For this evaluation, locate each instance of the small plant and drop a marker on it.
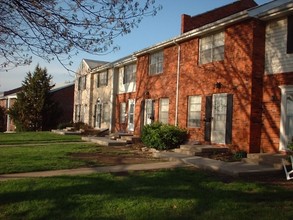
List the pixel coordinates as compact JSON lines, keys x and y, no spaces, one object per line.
{"x":65,"y":125}
{"x":290,"y":146}
{"x":240,"y":154}
{"x":163,"y":137}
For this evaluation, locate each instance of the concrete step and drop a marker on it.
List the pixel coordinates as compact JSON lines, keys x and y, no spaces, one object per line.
{"x":171,"y":156}
{"x":104,"y":141}
{"x":266,"y":159}
{"x":197,"y":149}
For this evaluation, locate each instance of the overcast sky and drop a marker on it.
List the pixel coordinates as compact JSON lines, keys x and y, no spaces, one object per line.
{"x":152,"y":30}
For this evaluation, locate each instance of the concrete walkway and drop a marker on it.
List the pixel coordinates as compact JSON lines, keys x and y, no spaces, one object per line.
{"x":236,"y":169}
{"x":106,"y":169}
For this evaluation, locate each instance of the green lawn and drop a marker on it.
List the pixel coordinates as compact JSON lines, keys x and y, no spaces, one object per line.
{"x":166,"y":194}
{"x":35,"y":137}
{"x":36,"y":151}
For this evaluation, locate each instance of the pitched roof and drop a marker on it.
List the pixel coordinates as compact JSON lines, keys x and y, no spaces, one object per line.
{"x":94,"y":63}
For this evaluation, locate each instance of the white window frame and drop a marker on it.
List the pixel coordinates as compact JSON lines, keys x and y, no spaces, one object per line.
{"x":164,"y":110}
{"x":156,"y":63}
{"x":212,"y":48}
{"x":194,"y":111}
{"x":129,"y":74}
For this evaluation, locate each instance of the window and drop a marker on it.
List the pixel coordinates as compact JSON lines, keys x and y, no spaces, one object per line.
{"x":156,"y":63}
{"x":122,"y":112}
{"x":82,"y":83}
{"x":211,"y":48}
{"x":164,"y":111}
{"x":102,"y":79}
{"x":290,"y":34}
{"x":129,"y":73}
{"x":194,"y":111}
{"x":77,"y":113}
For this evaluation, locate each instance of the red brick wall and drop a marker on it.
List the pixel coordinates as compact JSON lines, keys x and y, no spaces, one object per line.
{"x":65,"y":99}
{"x":189,"y":23}
{"x":237,"y":73}
{"x":270,"y":136}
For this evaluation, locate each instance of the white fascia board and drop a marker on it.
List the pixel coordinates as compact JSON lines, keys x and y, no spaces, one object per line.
{"x":272,"y":9}
{"x":211,"y":27}
{"x":114,"y":64}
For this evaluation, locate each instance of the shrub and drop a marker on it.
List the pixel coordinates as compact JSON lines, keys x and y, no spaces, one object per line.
{"x":290,"y":146}
{"x":163,"y":137}
{"x":64,"y":125}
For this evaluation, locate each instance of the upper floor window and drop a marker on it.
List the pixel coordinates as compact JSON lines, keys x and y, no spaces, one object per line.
{"x":290,"y":34}
{"x":129,"y":73}
{"x":82,"y":83}
{"x":156,"y":63}
{"x":211,"y":48}
{"x":164,"y":111}
{"x":194,"y":111}
{"x":102,"y":79}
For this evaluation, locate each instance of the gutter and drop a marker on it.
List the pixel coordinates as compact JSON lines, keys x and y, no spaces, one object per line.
{"x":177,"y":82}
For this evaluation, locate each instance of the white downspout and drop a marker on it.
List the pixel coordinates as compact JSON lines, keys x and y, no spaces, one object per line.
{"x":177,"y":83}
{"x":8,"y":116}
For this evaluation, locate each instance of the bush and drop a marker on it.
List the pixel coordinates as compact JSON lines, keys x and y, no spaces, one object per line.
{"x":163,"y":137}
{"x":64,"y":125}
{"x":290,"y":146}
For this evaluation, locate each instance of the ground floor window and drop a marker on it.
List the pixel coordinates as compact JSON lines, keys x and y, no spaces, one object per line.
{"x":194,"y":111}
{"x":164,"y":111}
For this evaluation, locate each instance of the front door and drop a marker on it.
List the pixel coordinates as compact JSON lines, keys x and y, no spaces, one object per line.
{"x":219,"y":113}
{"x":131,"y":107}
{"x":289,"y":121}
{"x":148,"y":111}
{"x":98,"y":120}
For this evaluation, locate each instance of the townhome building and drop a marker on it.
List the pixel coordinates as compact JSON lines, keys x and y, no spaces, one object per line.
{"x":227,"y":79}
{"x":83,"y":91}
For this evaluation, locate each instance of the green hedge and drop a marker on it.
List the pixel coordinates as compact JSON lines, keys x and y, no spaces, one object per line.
{"x":163,"y":137}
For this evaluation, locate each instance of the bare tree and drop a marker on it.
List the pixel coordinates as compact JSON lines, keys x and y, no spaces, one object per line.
{"x":58,"y":29}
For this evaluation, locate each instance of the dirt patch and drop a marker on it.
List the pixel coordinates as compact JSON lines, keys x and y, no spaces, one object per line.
{"x":116,"y":155}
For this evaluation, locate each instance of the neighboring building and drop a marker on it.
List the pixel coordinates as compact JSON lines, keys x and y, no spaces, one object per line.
{"x":83,"y":91}
{"x":62,"y":94}
{"x":227,"y":79}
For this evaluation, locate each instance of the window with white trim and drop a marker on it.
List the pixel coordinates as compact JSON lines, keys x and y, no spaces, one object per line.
{"x":194,"y":111}
{"x":212,"y":48}
{"x":164,"y":111}
{"x":102,"y":79}
{"x":156,"y":63}
{"x":123,"y":112}
{"x":129,"y":73}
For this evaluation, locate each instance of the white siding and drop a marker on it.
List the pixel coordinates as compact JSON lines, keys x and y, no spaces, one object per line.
{"x":125,"y":88}
{"x":276,"y":58}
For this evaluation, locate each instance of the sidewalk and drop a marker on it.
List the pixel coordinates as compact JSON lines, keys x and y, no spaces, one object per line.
{"x":236,"y":169}
{"x":106,"y":169}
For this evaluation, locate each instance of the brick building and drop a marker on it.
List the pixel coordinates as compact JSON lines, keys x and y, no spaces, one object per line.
{"x":62,"y":94}
{"x":221,"y":79}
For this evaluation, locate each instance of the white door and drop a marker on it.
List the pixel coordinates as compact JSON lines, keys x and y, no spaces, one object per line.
{"x":219,"y":118}
{"x":148,"y":112}
{"x":98,"y":114}
{"x":131,"y":107}
{"x":286,"y":125}
{"x":289,"y":121}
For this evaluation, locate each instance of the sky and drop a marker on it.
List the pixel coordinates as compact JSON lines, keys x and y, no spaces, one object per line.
{"x":152,"y":30}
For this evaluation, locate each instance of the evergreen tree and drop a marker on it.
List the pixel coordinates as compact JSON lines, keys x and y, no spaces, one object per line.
{"x":34,"y":108}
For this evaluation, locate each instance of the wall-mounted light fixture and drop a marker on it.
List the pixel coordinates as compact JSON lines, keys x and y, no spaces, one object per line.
{"x":218,"y":85}
{"x":147,"y":94}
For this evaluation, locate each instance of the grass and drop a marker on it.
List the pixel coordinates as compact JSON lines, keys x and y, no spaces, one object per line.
{"x":52,"y":156}
{"x":35,"y":138}
{"x":166,"y":194}
{"x":38,"y":151}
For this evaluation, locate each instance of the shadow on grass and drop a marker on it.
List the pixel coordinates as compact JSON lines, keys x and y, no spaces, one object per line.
{"x":170,"y":194}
